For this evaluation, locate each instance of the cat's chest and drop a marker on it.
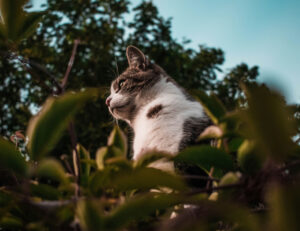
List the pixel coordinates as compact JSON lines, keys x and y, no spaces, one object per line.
{"x":159,"y":125}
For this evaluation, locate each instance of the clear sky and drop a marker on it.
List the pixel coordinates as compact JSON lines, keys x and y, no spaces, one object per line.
{"x":258,"y":32}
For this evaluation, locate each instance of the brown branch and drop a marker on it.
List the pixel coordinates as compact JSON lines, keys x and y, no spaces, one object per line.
{"x":200,"y":177}
{"x":70,"y":64}
{"x":41,"y":68}
{"x":212,"y":189}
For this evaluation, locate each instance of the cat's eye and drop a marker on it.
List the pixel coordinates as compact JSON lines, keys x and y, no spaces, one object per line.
{"x":121,"y":83}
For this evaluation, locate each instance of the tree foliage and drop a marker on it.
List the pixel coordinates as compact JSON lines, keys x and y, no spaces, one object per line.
{"x":84,"y":180}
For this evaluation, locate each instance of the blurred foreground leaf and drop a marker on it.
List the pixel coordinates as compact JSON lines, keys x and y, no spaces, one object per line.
{"x":11,"y":158}
{"x":47,"y":127}
{"x":284,"y":203}
{"x":269,"y":122}
{"x":16,"y":24}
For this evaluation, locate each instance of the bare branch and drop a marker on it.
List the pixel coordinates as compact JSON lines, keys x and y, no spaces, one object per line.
{"x":70,"y":64}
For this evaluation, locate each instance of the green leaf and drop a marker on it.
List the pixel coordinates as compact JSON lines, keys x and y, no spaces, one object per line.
{"x":249,"y":158}
{"x":211,"y":132}
{"x":139,"y":208}
{"x":9,"y":222}
{"x":105,"y":153}
{"x":227,"y":179}
{"x":11,"y":15}
{"x":118,"y":139}
{"x":212,"y":105}
{"x":206,"y":157}
{"x":45,"y":129}
{"x":11,"y":158}
{"x":151,"y":157}
{"x":45,"y":191}
{"x":146,"y":178}
{"x":269,"y":122}
{"x":284,"y":203}
{"x":85,"y":167}
{"x":51,"y":169}
{"x":30,"y":22}
{"x":89,"y":215}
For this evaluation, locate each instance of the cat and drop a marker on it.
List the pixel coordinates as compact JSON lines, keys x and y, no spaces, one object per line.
{"x":163,"y":116}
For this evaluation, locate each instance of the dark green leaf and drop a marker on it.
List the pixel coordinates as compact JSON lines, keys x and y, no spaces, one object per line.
{"x":45,"y":192}
{"x":11,"y":158}
{"x":51,"y":169}
{"x":206,"y":157}
{"x":89,"y":215}
{"x":9,"y":223}
{"x":146,"y":178}
{"x":138,"y":208}
{"x":30,"y":22}
{"x":212,"y":105}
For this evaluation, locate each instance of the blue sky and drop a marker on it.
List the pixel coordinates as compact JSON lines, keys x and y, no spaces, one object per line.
{"x":258,"y":32}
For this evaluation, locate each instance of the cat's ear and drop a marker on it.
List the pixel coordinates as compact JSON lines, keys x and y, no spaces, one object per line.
{"x":136,"y":58}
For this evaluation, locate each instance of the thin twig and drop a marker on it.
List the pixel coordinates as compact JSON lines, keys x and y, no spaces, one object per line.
{"x":70,"y":64}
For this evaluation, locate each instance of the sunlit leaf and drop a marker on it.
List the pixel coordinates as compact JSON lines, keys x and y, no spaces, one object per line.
{"x":228,"y":179}
{"x":249,"y":158}
{"x":11,"y":158}
{"x":45,"y":129}
{"x":105,"y":153}
{"x":85,"y":167}
{"x":206,"y":157}
{"x":151,"y":157}
{"x":211,"y":132}
{"x":118,"y":139}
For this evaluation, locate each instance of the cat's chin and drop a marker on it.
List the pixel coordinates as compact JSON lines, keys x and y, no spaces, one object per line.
{"x":120,"y":112}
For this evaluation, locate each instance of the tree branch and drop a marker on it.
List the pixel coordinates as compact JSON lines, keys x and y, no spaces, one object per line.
{"x":70,"y":64}
{"x":212,"y":189}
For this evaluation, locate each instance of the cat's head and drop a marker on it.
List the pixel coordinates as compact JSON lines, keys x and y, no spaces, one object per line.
{"x":132,"y":88}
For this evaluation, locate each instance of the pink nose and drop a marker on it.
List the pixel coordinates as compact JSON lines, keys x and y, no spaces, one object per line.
{"x":108,"y":101}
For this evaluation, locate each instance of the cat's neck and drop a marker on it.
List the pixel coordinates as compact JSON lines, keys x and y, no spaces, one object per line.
{"x":159,"y":122}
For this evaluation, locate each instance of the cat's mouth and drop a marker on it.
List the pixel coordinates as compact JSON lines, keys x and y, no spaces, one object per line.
{"x":118,"y":107}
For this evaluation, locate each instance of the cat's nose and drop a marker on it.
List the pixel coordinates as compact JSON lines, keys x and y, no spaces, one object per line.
{"x":107,"y":101}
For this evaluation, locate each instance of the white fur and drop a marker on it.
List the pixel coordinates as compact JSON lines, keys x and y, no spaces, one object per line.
{"x":163,"y":133}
